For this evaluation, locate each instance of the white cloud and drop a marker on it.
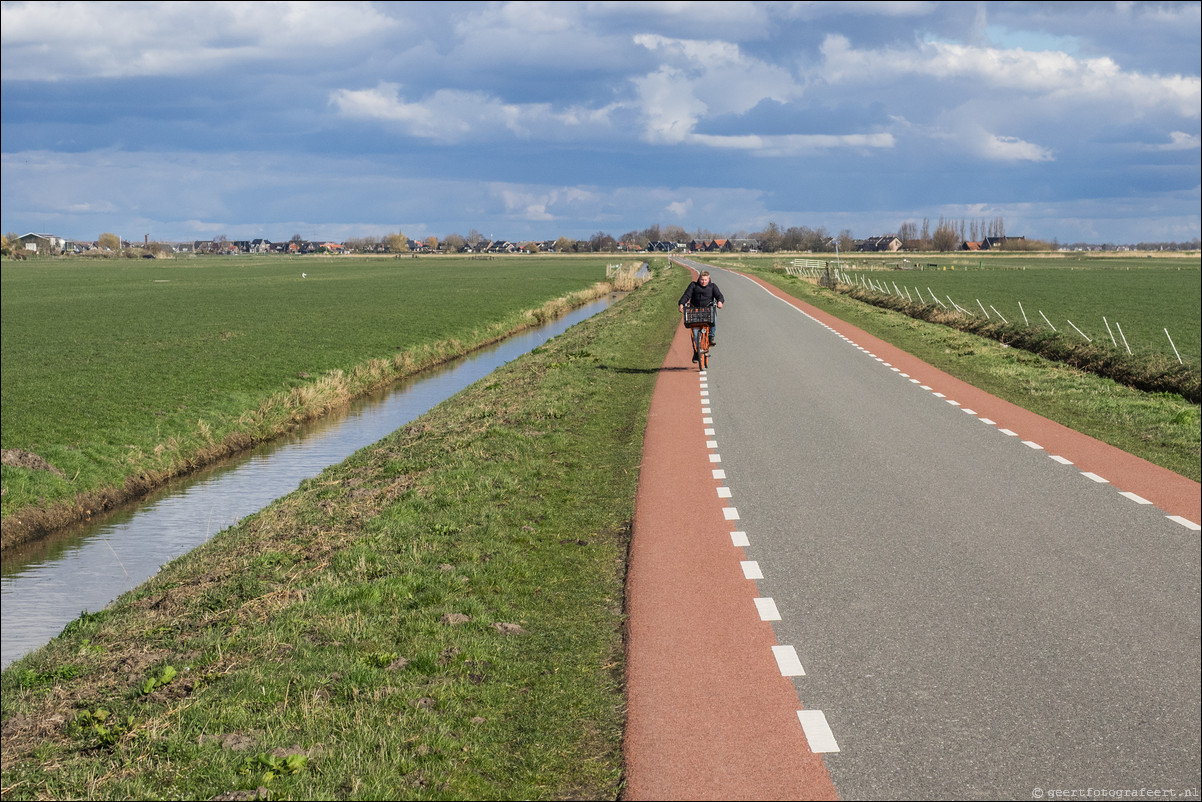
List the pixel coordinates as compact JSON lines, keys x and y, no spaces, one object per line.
{"x":450,"y":115}
{"x":703,"y":79}
{"x":1179,"y":140}
{"x":57,"y":41}
{"x":1011,"y":149}
{"x":679,"y":209}
{"x":1048,"y":74}
{"x":795,"y":144}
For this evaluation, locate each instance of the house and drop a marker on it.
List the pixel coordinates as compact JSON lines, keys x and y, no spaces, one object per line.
{"x":886,"y":244}
{"x":995,"y":243}
{"x":743,"y":245}
{"x":970,"y":246}
{"x":43,"y":244}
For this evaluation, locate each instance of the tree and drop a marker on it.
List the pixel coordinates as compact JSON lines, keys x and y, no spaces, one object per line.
{"x":673,"y":234}
{"x":110,"y":242}
{"x":453,"y":242}
{"x":563,"y":245}
{"x":770,"y":238}
{"x":946,"y":238}
{"x":397,"y":243}
{"x":602,"y":242}
{"x":846,"y":241}
{"x":431,"y":243}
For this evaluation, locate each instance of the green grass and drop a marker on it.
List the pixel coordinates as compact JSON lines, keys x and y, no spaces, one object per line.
{"x":312,"y":645}
{"x":118,"y":371}
{"x":1141,"y":301}
{"x":1162,"y":428}
{"x":1143,"y":295}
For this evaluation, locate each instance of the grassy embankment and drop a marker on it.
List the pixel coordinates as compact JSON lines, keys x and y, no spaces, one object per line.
{"x":1162,"y":428}
{"x":358,"y":638}
{"x":122,"y":374}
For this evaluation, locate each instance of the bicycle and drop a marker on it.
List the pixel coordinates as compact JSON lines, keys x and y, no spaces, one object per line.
{"x":700,"y":319}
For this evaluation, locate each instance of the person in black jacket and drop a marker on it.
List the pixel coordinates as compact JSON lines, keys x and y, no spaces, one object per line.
{"x":700,"y":294}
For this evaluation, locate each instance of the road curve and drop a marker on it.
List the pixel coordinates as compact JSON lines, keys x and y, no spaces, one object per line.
{"x":986,"y":604}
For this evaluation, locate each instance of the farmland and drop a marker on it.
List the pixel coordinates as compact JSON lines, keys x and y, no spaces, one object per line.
{"x":1142,"y":295}
{"x":1138,"y":303}
{"x":125,"y":369}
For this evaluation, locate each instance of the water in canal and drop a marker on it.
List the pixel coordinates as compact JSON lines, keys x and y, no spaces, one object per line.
{"x":45,"y":587}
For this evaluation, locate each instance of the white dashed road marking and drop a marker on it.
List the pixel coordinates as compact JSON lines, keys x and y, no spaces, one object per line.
{"x":818,"y":732}
{"x":788,"y":661}
{"x":767,"y":609}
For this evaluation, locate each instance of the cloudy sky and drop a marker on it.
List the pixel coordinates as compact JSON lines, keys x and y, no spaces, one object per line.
{"x":1077,"y":121}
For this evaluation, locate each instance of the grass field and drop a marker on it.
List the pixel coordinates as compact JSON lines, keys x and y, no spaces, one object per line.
{"x":1138,"y":304}
{"x":1142,"y":295}
{"x":115,"y":370}
{"x":439,"y":617}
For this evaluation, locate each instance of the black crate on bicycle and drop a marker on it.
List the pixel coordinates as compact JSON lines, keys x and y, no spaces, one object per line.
{"x":695,"y":317}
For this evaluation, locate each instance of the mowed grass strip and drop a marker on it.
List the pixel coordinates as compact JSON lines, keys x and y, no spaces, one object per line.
{"x":439,"y":617}
{"x":123,"y":373}
{"x":1162,"y":428}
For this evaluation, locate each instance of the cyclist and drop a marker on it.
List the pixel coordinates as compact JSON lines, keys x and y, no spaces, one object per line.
{"x":702,"y":293}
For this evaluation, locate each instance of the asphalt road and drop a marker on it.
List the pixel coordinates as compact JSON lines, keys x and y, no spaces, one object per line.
{"x":975,"y":618}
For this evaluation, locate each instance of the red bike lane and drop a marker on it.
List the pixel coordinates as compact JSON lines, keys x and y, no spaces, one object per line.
{"x":710,"y":714}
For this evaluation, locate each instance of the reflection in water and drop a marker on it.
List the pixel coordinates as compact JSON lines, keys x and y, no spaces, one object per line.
{"x":47,"y":586}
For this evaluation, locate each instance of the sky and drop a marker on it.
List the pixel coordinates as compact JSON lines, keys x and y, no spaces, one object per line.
{"x":1070,"y":121}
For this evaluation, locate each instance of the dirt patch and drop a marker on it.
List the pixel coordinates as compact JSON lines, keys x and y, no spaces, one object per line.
{"x":16,"y":458}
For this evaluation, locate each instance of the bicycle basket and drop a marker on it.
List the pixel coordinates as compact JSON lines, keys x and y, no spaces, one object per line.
{"x":695,"y":317}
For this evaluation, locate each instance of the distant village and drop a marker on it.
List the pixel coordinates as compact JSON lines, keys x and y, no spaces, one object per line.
{"x":51,"y":244}
{"x":38,"y":244}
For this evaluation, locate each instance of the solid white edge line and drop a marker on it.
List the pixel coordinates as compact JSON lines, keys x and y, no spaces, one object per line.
{"x":817,"y":731}
{"x":739,"y":539}
{"x":788,"y":662}
{"x":766,"y":607}
{"x":1186,"y":522}
{"x":751,"y":569}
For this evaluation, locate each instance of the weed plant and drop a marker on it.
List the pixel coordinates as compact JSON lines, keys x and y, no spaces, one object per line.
{"x":439,"y":617}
